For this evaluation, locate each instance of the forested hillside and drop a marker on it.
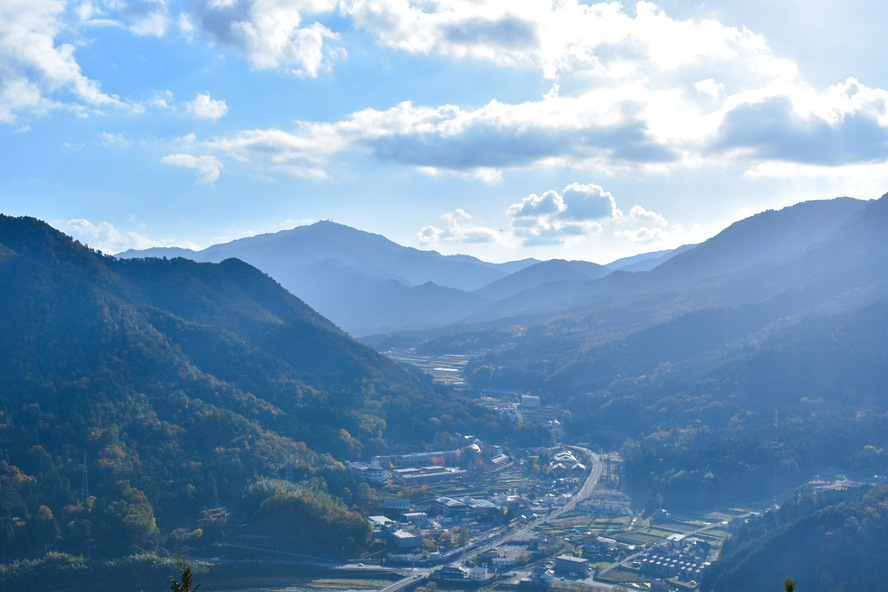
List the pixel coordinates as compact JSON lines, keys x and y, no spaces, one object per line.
{"x":733,"y":371}
{"x":826,"y":540}
{"x":187,"y":386}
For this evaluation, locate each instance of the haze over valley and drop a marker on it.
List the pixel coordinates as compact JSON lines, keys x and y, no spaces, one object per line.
{"x":200,"y":404}
{"x":413,"y":295}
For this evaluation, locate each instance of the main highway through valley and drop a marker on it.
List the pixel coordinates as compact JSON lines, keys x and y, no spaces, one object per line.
{"x":501,"y":535}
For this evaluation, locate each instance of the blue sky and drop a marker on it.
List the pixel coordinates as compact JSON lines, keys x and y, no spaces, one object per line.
{"x":501,"y":129}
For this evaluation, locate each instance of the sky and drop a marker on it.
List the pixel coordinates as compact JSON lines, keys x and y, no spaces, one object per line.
{"x":501,"y":129}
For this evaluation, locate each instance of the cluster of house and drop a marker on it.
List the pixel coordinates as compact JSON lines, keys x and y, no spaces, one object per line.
{"x":406,"y":536}
{"x":423,"y":467}
{"x":607,"y":502}
{"x":602,"y":549}
{"x":564,"y":566}
{"x":681,"y":558}
{"x":564,"y":462}
{"x":491,"y":562}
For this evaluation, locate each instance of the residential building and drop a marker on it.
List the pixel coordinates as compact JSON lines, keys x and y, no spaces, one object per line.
{"x":570,"y":565}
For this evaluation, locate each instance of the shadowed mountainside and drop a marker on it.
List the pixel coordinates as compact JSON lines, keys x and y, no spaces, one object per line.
{"x":186,"y":384}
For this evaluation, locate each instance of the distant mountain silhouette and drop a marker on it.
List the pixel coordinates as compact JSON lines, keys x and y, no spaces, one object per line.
{"x":757,"y":278}
{"x":761,"y":242}
{"x":686,"y":366}
{"x":362,"y":281}
{"x":554,"y":270}
{"x":647,"y":261}
{"x":368,"y":284}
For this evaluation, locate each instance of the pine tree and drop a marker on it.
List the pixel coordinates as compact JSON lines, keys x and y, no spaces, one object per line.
{"x":186,"y":580}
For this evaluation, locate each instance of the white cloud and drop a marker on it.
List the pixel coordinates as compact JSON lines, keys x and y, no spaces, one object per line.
{"x":626,"y":126}
{"x":601,"y":39}
{"x":206,"y":108}
{"x":272,"y":34}
{"x":107,"y":238}
{"x":457,"y":231}
{"x":581,"y":211}
{"x":114,"y":140}
{"x":587,"y":202}
{"x":644,"y":226}
{"x":640,"y":215}
{"x":208,"y":167}
{"x":103,"y":236}
{"x":140,"y":17}
{"x":584,"y":131}
{"x":556,"y":218}
{"x":35,"y":70}
{"x":534,"y":205}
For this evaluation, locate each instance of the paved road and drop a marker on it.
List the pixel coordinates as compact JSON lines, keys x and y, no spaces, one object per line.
{"x":581,"y":494}
{"x":415,"y":579}
{"x":502,"y":534}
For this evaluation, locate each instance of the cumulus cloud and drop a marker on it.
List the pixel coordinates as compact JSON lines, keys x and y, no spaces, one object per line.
{"x":206,"y":108}
{"x":849,"y":124}
{"x":35,"y":70}
{"x":458,"y":231}
{"x":576,"y":215}
{"x":208,"y":168}
{"x":640,"y":215}
{"x":675,"y":83}
{"x":554,"y":218}
{"x":38,"y":73}
{"x":646,"y":89}
{"x":587,"y":202}
{"x":580,"y":211}
{"x":624,"y":126}
{"x":564,"y":37}
{"x":643,"y":226}
{"x":272,"y":34}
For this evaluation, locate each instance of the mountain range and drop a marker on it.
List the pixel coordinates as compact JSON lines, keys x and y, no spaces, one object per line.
{"x":782,"y":314}
{"x":738,"y":367}
{"x":722,"y":372}
{"x":368,"y":284}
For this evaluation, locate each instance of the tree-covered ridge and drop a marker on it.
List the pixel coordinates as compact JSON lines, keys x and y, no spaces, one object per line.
{"x":738,"y":368}
{"x":183,"y":383}
{"x":831,"y":540}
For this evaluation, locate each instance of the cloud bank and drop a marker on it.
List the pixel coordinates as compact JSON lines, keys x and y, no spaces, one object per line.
{"x":571,"y":216}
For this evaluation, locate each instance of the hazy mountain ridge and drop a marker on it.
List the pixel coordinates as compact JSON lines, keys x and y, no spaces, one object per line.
{"x":647,"y":261}
{"x":554,"y":270}
{"x":362,"y":281}
{"x":367,"y":284}
{"x":704,"y":359}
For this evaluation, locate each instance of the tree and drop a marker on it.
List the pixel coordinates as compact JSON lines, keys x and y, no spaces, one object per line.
{"x":789,"y":584}
{"x":186,"y":580}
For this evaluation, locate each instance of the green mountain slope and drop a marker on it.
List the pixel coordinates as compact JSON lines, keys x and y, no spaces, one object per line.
{"x":184,"y":383}
{"x":827,"y":541}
